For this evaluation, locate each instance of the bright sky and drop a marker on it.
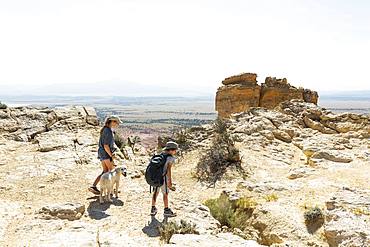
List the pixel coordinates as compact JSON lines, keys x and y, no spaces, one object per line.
{"x":318,"y":44}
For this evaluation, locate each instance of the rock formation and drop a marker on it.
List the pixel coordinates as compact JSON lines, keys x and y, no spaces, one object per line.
{"x":303,"y":156}
{"x":238,"y":94}
{"x":241,"y":92}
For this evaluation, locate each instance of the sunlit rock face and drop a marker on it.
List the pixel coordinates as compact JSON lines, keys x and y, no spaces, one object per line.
{"x":241,"y":92}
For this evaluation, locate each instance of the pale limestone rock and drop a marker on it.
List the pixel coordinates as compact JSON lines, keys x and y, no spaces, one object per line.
{"x":219,"y":240}
{"x":282,"y":136}
{"x":91,"y":117}
{"x":53,"y":140}
{"x":317,"y":126}
{"x":67,"y":211}
{"x":332,"y":155}
{"x":299,"y":172}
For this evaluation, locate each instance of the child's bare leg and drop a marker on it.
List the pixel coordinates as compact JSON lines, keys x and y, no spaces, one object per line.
{"x":154,"y":198}
{"x":165,"y":200}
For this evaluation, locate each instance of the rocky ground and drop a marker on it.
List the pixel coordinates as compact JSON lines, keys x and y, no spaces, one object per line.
{"x":49,"y":160}
{"x":300,"y":156}
{"x":296,"y":157}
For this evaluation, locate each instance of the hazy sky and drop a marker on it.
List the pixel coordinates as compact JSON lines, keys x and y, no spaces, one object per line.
{"x":319,"y":44}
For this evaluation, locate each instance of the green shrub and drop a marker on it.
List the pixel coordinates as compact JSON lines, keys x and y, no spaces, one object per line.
{"x":313,"y":215}
{"x":271,"y":197}
{"x":221,"y":155}
{"x":121,"y":142}
{"x":167,"y":230}
{"x":181,"y":137}
{"x":233,"y":214}
{"x":132,"y":141}
{"x":220,"y":126}
{"x":3,"y":106}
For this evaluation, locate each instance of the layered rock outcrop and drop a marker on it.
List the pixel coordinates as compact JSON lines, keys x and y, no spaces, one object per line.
{"x":298,"y":157}
{"x":238,"y":94}
{"x":241,"y":92}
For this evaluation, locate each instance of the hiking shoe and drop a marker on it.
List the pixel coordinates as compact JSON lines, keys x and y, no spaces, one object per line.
{"x":168,"y":212}
{"x":94,"y":190}
{"x":153,"y":211}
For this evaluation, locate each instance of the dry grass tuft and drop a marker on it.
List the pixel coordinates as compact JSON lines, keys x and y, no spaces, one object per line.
{"x":167,"y":230}
{"x":233,"y":214}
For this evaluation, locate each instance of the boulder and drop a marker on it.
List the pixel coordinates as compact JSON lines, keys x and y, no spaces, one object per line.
{"x":282,"y":136}
{"x":67,"y":211}
{"x":332,"y":155}
{"x":91,"y":116}
{"x":310,"y":96}
{"x":317,"y":126}
{"x":53,"y":140}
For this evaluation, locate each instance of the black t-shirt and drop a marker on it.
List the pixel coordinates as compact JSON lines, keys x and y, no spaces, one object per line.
{"x":106,"y":138}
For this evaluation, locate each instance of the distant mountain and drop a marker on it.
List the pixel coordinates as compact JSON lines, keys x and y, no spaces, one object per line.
{"x":106,"y":88}
{"x":345,"y":95}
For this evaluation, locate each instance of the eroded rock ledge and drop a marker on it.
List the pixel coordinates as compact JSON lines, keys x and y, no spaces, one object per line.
{"x":240,"y":92}
{"x":27,"y":123}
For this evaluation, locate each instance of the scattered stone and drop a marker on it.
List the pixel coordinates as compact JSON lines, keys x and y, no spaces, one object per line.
{"x":299,"y":173}
{"x":332,"y":155}
{"x":67,"y":211}
{"x":282,"y":136}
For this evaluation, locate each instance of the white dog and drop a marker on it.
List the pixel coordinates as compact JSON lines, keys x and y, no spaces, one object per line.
{"x":107,"y":182}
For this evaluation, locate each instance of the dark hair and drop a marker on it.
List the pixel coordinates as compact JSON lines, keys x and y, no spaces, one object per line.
{"x":106,"y":125}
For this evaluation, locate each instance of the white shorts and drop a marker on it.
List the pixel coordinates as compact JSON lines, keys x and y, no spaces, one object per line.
{"x":163,"y":189}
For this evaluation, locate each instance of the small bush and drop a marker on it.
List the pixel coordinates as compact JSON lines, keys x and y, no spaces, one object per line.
{"x":271,"y":197}
{"x":314,"y":218}
{"x":181,"y":137}
{"x":221,"y":155}
{"x":166,"y":231}
{"x":233,"y":214}
{"x":119,"y":139}
{"x":132,"y":141}
{"x":313,"y":215}
{"x":3,"y":106}
{"x":220,"y":126}
{"x":361,"y":211}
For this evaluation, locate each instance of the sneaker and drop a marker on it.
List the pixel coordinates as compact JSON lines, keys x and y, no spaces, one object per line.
{"x":168,"y":212}
{"x":153,"y":211}
{"x":94,"y":190}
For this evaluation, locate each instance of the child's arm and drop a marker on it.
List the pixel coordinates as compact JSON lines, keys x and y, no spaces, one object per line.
{"x":169,"y":175}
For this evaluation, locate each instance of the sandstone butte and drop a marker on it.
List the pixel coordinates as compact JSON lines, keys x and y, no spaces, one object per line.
{"x":241,"y":92}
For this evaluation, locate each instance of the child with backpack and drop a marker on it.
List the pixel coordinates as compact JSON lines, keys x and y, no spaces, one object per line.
{"x":159,"y":176}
